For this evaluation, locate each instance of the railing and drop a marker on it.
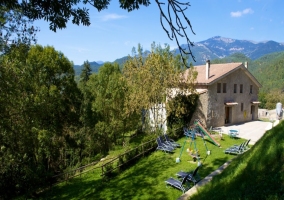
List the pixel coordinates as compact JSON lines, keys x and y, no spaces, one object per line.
{"x":116,"y":164}
{"x":64,"y":177}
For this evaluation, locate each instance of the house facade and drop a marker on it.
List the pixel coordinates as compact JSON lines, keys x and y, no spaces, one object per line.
{"x":228,"y":94}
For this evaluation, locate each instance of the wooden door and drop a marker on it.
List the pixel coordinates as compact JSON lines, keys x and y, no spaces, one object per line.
{"x":227,"y":115}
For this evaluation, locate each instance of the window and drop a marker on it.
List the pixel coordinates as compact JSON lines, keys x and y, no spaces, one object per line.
{"x":242,"y":107}
{"x":235,"y":88}
{"x":250,"y":89}
{"x":241,"y":88}
{"x":224,"y":87}
{"x":218,"y":87}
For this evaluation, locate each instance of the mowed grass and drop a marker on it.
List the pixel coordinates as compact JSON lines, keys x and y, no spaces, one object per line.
{"x":256,"y":174}
{"x":146,"y":178}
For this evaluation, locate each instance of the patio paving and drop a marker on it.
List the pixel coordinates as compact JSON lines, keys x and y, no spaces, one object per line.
{"x":253,"y":130}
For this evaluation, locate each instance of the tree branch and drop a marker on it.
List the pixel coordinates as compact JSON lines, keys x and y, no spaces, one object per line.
{"x":175,"y":25}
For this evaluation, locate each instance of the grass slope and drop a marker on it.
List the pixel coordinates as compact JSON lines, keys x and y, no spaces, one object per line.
{"x":257,"y":174}
{"x":145,"y":180}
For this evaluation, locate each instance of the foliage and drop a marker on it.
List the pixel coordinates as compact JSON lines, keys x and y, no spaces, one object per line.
{"x":86,"y":114}
{"x":39,"y":106}
{"x":236,"y":57}
{"x":180,"y":110}
{"x":58,"y":13}
{"x":271,"y":99}
{"x":146,"y":178}
{"x":269,"y":72}
{"x":108,"y":90}
{"x":85,"y":73}
{"x":154,"y":79}
{"x":15,"y":29}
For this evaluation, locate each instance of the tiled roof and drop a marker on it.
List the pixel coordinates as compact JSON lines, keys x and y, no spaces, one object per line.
{"x":216,"y":71}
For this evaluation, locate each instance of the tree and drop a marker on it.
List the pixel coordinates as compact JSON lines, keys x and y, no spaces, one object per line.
{"x":58,"y":13}
{"x":155,"y":80}
{"x":109,"y":92}
{"x":271,"y":98}
{"x":16,"y":29}
{"x":39,"y":105}
{"x":87,"y":116}
{"x":86,"y":72}
{"x":86,"y":113}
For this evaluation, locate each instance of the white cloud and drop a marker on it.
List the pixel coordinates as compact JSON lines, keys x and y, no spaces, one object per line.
{"x":112,"y":17}
{"x":236,"y":14}
{"x":247,"y":11}
{"x":241,"y":13}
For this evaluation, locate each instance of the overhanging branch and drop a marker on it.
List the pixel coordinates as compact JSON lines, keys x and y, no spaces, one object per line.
{"x":175,"y":25}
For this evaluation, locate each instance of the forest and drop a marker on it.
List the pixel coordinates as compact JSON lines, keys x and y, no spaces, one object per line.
{"x":51,"y":123}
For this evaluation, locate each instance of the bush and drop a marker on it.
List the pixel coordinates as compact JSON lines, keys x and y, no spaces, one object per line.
{"x":180,"y":109}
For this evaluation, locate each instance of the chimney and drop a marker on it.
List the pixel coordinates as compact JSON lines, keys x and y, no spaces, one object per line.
{"x":207,"y":69}
{"x":246,"y":64}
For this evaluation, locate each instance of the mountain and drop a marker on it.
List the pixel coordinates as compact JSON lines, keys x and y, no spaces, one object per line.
{"x":100,"y":62}
{"x":220,"y":47}
{"x":215,"y":48}
{"x":121,"y":61}
{"x":94,"y":66}
{"x":269,"y":71}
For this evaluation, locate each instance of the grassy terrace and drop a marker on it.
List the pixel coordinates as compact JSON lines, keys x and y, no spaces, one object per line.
{"x":145,"y":179}
{"x":256,"y":174}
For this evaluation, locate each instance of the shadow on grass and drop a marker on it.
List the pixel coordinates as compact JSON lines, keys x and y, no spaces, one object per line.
{"x":146,"y":179}
{"x":256,"y":174}
{"x":136,"y":182}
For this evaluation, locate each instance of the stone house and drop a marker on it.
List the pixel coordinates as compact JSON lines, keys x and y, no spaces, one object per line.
{"x":228,"y":94}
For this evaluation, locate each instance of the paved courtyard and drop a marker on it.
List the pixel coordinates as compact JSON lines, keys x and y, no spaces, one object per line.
{"x":253,"y":130}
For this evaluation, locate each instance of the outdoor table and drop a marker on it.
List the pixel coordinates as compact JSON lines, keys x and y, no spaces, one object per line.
{"x":233,"y":133}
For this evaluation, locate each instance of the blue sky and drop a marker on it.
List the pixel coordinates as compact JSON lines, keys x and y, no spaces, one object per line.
{"x":113,"y":32}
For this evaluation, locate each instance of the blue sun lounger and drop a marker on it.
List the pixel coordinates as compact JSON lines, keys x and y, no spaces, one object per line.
{"x":170,"y":141}
{"x":191,"y":176}
{"x":178,"y":184}
{"x":163,"y":147}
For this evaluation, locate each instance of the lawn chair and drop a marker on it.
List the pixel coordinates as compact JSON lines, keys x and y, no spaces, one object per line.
{"x":246,"y":146}
{"x":191,"y":176}
{"x":166,"y":143}
{"x":162,"y":147}
{"x":170,"y":141}
{"x":178,"y":184}
{"x":235,"y":150}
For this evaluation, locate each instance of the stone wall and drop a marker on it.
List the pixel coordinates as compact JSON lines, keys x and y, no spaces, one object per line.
{"x":201,"y":109}
{"x":212,"y":104}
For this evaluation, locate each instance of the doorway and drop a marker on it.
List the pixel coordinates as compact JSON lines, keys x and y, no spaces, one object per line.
{"x":252,"y":112}
{"x":227,"y":115}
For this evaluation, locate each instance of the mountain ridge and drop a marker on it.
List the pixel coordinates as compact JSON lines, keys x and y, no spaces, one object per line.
{"x":216,"y":47}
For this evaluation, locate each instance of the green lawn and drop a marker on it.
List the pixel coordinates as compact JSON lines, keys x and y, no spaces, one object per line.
{"x":145,"y":179}
{"x":256,"y":174}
